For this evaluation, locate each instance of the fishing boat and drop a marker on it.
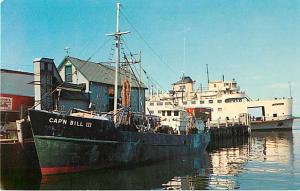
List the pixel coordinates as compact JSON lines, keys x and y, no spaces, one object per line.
{"x":83,"y":140}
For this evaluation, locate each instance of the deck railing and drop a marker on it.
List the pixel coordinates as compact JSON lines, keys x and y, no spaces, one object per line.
{"x":244,"y":119}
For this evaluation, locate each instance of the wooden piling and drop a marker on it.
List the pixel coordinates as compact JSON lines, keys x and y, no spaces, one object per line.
{"x":226,"y":136}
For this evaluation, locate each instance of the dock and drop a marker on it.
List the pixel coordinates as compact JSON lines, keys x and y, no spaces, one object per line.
{"x":227,"y":132}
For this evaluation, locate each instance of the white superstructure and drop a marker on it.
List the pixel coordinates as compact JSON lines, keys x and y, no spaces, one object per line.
{"x":226,"y":101}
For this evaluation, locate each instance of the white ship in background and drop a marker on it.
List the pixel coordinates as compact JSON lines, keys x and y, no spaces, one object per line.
{"x":225,"y":101}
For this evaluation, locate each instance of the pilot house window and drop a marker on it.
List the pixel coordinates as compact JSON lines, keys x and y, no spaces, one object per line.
{"x":176,"y":113}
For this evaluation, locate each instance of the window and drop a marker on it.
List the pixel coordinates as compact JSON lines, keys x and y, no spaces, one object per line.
{"x":274,"y":114}
{"x":68,"y":73}
{"x":201,"y":101}
{"x":211,"y":101}
{"x":193,"y":102}
{"x":176,"y":113}
{"x":163,"y":113}
{"x":159,"y":112}
{"x":274,"y":104}
{"x":168,"y":103}
{"x":184,"y":103}
{"x":168,"y":113}
{"x":219,"y":101}
{"x":151,"y":112}
{"x":182,"y":87}
{"x":160,"y":103}
{"x":219,"y":109}
{"x":151,"y":104}
{"x":215,"y":85}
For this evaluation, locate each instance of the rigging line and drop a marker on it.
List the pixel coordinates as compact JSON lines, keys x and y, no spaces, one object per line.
{"x":153,"y":81}
{"x":132,"y":56}
{"x":137,"y":81}
{"x":154,"y":52}
{"x":102,"y":45}
{"x":89,"y":42}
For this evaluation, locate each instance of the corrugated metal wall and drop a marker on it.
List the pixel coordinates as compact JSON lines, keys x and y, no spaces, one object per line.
{"x":99,"y":96}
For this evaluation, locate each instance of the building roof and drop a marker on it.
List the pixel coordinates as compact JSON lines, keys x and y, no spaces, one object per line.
{"x":16,"y":72}
{"x":184,"y":80}
{"x":97,"y":72}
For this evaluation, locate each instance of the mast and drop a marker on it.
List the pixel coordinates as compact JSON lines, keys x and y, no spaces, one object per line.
{"x":207,"y":73}
{"x":117,"y":36}
{"x":290,"y":86}
{"x":140,"y":79}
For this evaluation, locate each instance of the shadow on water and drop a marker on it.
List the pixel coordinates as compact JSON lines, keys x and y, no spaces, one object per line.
{"x":19,"y":166}
{"x":171,"y":174}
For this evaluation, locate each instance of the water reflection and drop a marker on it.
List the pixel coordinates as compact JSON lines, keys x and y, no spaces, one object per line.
{"x":268,"y":157}
{"x":168,"y":175}
{"x":272,"y":146}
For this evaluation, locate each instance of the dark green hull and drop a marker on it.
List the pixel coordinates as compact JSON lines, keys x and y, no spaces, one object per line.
{"x":63,"y":155}
{"x":64,"y":148}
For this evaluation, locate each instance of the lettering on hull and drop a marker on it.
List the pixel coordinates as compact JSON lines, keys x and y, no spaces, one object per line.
{"x":69,"y":122}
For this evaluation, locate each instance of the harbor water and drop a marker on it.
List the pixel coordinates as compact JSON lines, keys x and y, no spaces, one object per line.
{"x":267,"y":160}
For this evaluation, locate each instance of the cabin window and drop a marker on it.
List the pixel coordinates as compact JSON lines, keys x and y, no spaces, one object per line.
{"x":219,"y":109}
{"x":168,"y":103}
{"x":182,"y":87}
{"x":275,"y":104}
{"x":176,"y":113}
{"x":68,"y":73}
{"x":210,"y":101}
{"x":219,"y":101}
{"x":151,"y":104}
{"x":193,"y":102}
{"x":201,"y":101}
{"x":163,"y":113}
{"x":160,"y":103}
{"x":168,"y":113}
{"x":184,"y":103}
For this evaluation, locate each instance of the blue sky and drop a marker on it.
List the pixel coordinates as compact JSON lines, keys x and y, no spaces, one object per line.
{"x":256,"y":42}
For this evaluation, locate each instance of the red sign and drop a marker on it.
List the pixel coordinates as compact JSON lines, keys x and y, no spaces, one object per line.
{"x":6,"y":103}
